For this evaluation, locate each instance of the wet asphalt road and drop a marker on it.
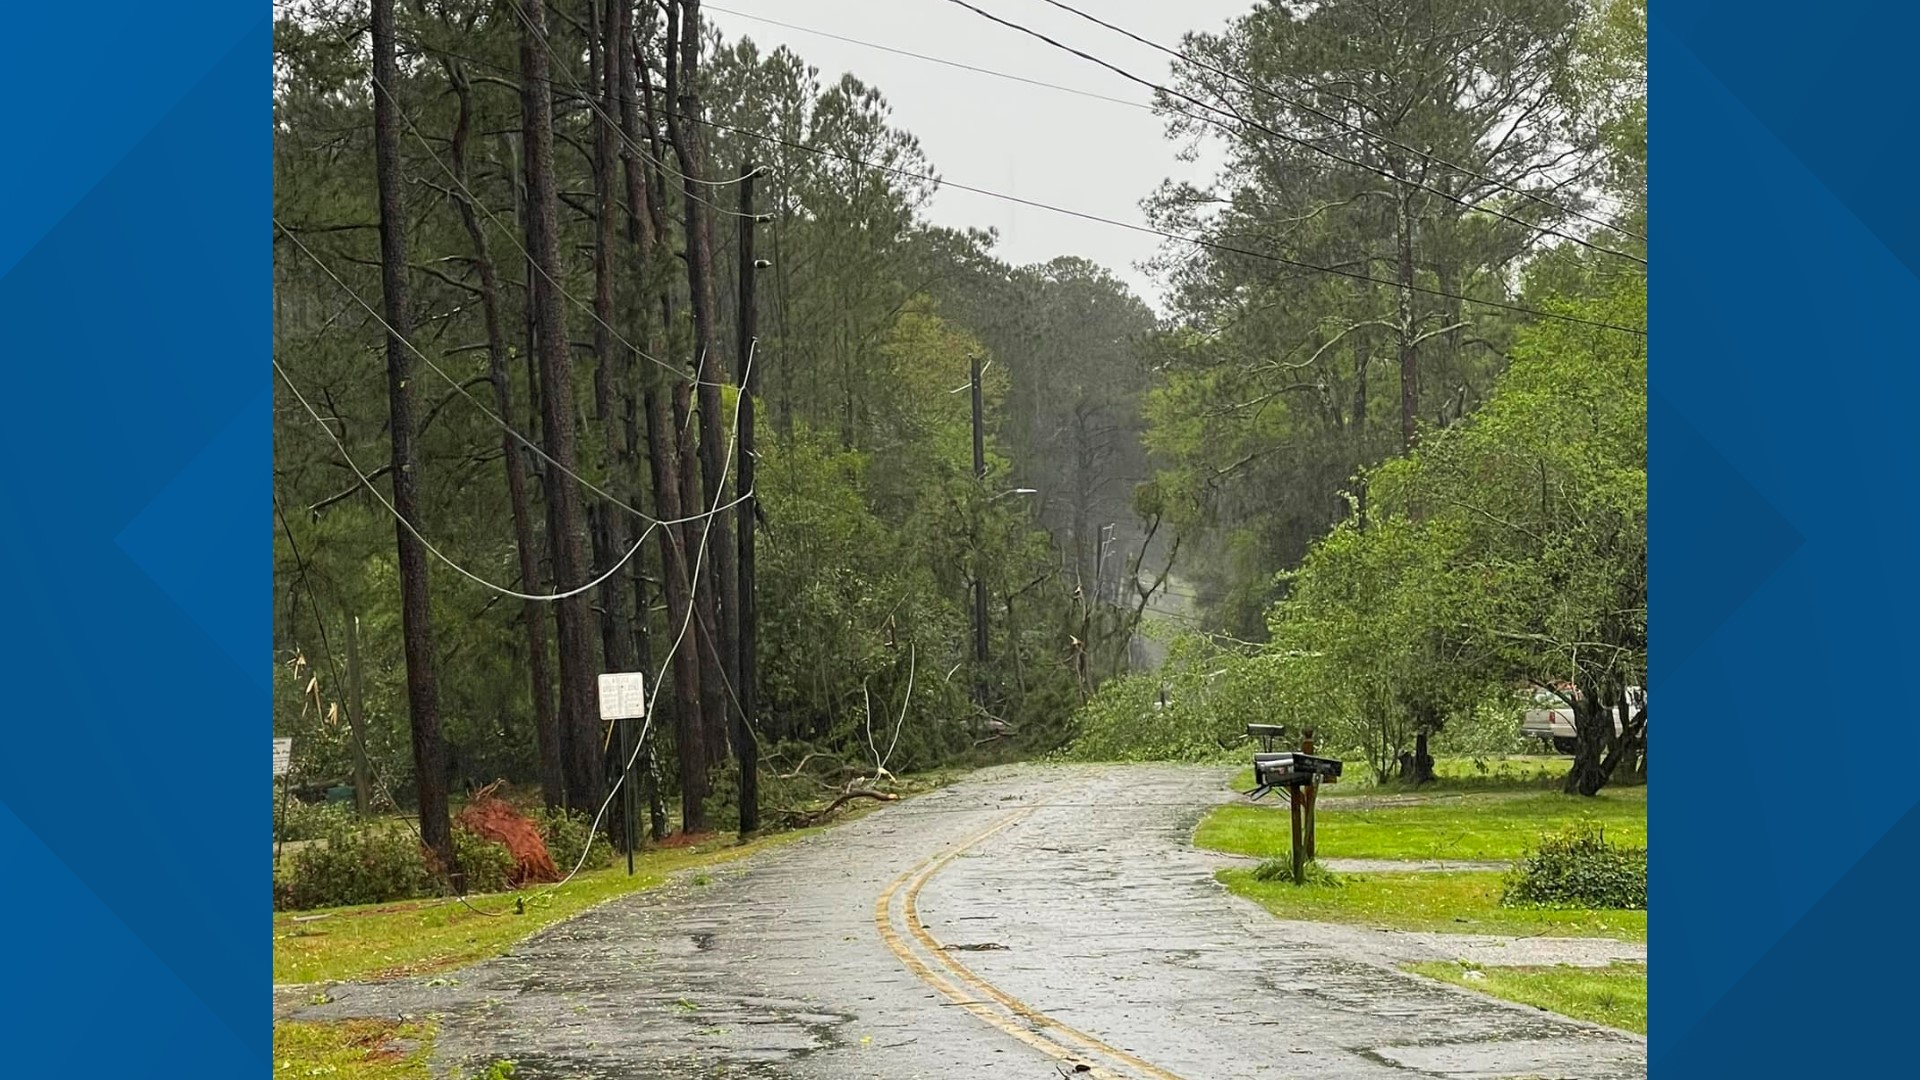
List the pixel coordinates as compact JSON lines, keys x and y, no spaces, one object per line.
{"x":1027,"y":923}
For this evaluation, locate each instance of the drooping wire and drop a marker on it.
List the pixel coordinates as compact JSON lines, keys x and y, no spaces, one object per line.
{"x":1143,"y":106}
{"x":1254,"y":87}
{"x":1305,"y":143}
{"x":462,"y":390}
{"x":1196,"y":241}
{"x":418,"y":535}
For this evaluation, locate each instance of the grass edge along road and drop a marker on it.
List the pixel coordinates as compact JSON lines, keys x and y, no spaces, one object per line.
{"x":352,"y":1050}
{"x":1615,"y":996}
{"x":417,"y":937}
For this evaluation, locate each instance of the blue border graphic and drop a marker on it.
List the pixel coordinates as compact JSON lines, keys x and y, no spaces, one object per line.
{"x":1783,"y":442}
{"x":135,"y":296}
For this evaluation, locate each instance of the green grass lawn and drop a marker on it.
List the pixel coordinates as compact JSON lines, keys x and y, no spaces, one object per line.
{"x":419,"y":936}
{"x":1465,"y":827}
{"x":1615,"y":996}
{"x":1460,"y":903}
{"x":354,"y":1050}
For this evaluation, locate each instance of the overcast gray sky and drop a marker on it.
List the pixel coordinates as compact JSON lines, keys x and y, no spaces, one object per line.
{"x":1023,"y":140}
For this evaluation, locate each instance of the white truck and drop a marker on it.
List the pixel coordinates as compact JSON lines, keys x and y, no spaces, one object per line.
{"x":1551,"y":720}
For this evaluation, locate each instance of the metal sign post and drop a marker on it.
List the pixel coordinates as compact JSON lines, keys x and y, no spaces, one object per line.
{"x":623,"y":699}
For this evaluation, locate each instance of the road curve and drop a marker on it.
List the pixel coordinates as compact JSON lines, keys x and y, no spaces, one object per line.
{"x":1029,"y":922}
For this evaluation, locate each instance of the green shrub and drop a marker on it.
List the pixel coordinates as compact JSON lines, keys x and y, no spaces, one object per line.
{"x":1576,"y":867}
{"x":1282,"y":870}
{"x":307,"y":821}
{"x":355,"y":864}
{"x":485,"y":865}
{"x":565,"y":832}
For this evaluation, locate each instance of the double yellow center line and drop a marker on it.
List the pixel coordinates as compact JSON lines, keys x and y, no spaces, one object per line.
{"x":1090,"y":1056}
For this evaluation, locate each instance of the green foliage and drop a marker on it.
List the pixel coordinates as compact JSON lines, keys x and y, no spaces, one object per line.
{"x":1578,"y":867}
{"x":297,"y":820}
{"x":1210,"y":695}
{"x":355,"y":864}
{"x":1282,"y":870}
{"x":565,"y":832}
{"x":485,"y":865}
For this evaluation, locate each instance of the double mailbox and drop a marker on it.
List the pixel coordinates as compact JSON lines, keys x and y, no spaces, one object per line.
{"x":1291,"y":769}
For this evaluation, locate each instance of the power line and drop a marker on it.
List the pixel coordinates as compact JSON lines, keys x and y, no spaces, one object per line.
{"x":934,"y":59}
{"x":706,"y":535}
{"x":1307,"y":144}
{"x":659,"y":683}
{"x":1330,"y":118}
{"x":428,"y":544}
{"x":1201,"y":242}
{"x":461,"y":388}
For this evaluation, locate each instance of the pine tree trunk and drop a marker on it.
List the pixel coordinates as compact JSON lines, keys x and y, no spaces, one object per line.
{"x":416,"y":621}
{"x":549,"y":738}
{"x":613,"y":532}
{"x":513,"y":453}
{"x":579,"y":717}
{"x":649,"y":228}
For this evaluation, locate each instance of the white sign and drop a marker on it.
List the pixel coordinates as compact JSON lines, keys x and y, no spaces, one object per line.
{"x":623,"y":695}
{"x":282,"y":756}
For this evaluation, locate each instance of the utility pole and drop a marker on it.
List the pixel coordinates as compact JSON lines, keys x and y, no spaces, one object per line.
{"x":979,"y":579}
{"x":744,"y":746}
{"x":1100,"y":564}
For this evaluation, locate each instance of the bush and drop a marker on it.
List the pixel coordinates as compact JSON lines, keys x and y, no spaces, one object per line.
{"x":356,"y":864}
{"x":1576,"y":867}
{"x":1282,"y":870}
{"x":485,"y":865}
{"x":307,"y":821}
{"x":565,"y":832}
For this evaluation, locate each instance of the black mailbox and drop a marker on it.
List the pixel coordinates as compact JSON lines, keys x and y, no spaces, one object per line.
{"x":1287,"y":769}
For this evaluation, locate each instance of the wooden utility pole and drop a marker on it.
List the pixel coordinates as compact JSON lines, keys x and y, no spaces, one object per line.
{"x":749,"y":625}
{"x":689,"y":143}
{"x":416,"y":622}
{"x":646,"y":197}
{"x":1409,"y":348}
{"x":979,"y":578}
